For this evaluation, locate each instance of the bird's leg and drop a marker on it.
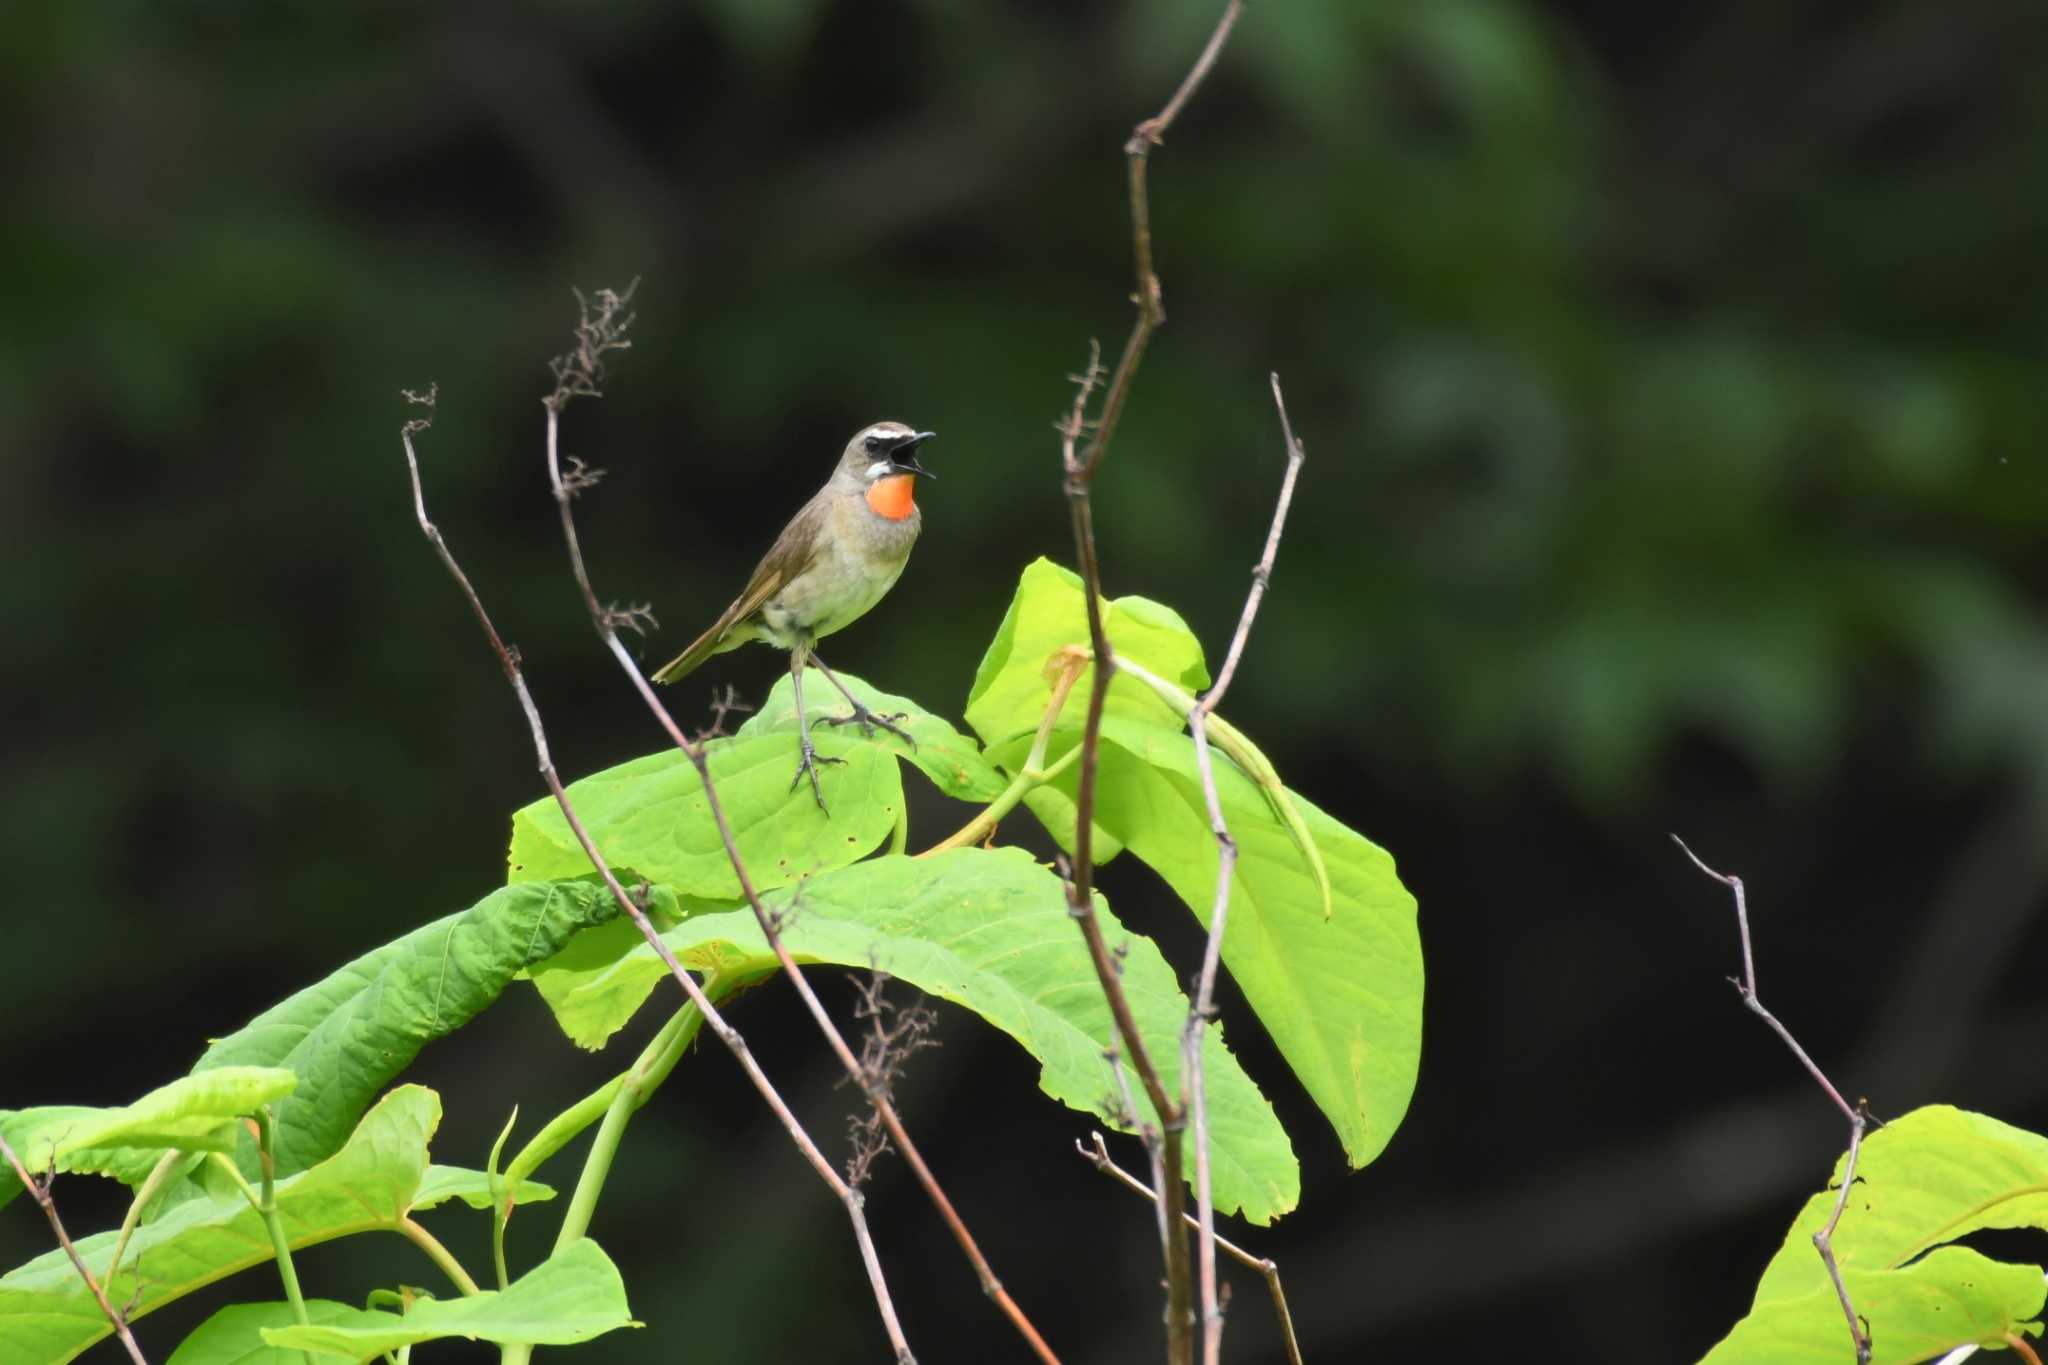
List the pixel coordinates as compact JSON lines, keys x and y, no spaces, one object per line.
{"x":867,"y":720}
{"x":807,"y":763}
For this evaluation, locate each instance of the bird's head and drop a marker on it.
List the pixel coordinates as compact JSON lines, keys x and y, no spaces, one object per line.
{"x":882,"y":451}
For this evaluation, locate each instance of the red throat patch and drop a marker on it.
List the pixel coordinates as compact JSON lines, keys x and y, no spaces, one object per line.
{"x":890,"y":497}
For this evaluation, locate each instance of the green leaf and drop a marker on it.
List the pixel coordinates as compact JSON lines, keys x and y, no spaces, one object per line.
{"x":47,"y":1315}
{"x":987,"y":929}
{"x":651,"y":815}
{"x":574,"y":1295}
{"x":1342,"y":996}
{"x":1952,"y":1297}
{"x":473,"y":1188}
{"x":1049,"y":613}
{"x":952,"y":760}
{"x":350,"y":1034}
{"x":233,"y":1336}
{"x":197,"y":1113}
{"x":1925,"y":1178}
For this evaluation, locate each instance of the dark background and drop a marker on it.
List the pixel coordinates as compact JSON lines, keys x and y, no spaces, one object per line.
{"x":1672,"y":378}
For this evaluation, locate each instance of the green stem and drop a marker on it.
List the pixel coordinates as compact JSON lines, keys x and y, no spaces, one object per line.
{"x":438,"y":1254}
{"x":633,"y":1089}
{"x":1034,"y":773}
{"x":501,"y":1199}
{"x":1022,"y":785}
{"x":902,"y":835}
{"x":157,"y":1175}
{"x":616,"y":1101}
{"x":266,"y":1135}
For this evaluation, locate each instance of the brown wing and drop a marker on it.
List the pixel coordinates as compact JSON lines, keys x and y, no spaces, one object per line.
{"x":793,"y":552}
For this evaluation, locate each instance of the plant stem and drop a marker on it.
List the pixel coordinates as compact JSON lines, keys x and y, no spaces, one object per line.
{"x":407,"y":1228}
{"x":157,"y":1175}
{"x":635,"y":1088}
{"x":1034,"y":773}
{"x":267,"y":1206}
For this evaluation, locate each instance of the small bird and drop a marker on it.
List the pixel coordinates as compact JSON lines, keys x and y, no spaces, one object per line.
{"x":837,"y":557}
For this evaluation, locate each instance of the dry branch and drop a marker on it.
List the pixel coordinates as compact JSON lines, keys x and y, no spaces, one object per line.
{"x":1219,"y":910}
{"x":39,"y":1189}
{"x":1097,"y":1155}
{"x":508,"y":661}
{"x":1080,"y":470}
{"x":579,"y":373}
{"x":1857,"y":1114}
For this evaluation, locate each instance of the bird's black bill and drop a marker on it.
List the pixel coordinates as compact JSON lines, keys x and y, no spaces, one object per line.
{"x":904,"y":456}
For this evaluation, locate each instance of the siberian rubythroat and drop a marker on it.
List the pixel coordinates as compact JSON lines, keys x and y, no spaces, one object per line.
{"x":839,"y":555}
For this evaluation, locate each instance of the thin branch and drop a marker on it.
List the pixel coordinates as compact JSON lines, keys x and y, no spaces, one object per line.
{"x":606,"y":620}
{"x":1080,"y":470}
{"x":1204,"y":1006}
{"x":1148,"y":134}
{"x":39,"y":1189}
{"x":1098,"y":1156}
{"x":1857,"y":1114}
{"x":508,"y":662}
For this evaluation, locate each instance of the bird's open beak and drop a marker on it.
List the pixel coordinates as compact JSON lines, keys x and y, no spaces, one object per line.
{"x":904,"y":456}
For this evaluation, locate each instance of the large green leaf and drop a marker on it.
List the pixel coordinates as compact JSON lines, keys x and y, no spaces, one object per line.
{"x":1342,"y":995}
{"x":952,"y":760}
{"x":1925,"y":1178}
{"x":987,"y":929}
{"x":233,"y":1336}
{"x":349,"y":1035}
{"x":1952,"y":1297}
{"x":47,"y":1315}
{"x":197,"y":1113}
{"x":650,"y":815}
{"x":1048,"y":613}
{"x":574,"y":1295}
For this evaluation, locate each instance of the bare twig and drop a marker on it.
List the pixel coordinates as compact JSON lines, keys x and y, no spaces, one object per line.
{"x":1151,"y":305}
{"x":508,"y":661}
{"x":39,"y":1189}
{"x":1080,"y":470}
{"x":1857,"y":1114}
{"x":1097,"y":1155}
{"x":607,"y":620}
{"x":1219,"y":910}
{"x":895,"y":1035}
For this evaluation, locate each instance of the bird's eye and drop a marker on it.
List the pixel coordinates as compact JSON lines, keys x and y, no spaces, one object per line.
{"x":874,"y":444}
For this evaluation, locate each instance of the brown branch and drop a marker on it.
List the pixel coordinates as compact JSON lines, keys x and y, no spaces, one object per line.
{"x":39,"y":1189}
{"x":1098,"y":1157}
{"x":1080,"y":471}
{"x":607,"y":620}
{"x":1151,"y":304}
{"x":1204,"y":1006}
{"x":1857,"y":1114}
{"x":508,"y":661}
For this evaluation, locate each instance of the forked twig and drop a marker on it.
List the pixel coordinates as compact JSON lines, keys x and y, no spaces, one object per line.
{"x":1219,"y":910}
{"x":39,"y":1189}
{"x":607,"y":620}
{"x":1080,"y":469}
{"x":1857,"y":1114}
{"x":508,"y":661}
{"x":1097,"y":1155}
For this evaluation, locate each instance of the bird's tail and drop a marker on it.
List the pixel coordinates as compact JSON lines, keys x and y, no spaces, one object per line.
{"x":701,"y":648}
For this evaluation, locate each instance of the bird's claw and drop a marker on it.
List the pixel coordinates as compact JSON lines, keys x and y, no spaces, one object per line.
{"x":807,"y":766}
{"x":870,"y":721}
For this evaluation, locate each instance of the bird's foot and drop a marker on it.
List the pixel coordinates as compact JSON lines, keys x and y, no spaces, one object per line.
{"x":807,"y":766}
{"x":870,"y":721}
